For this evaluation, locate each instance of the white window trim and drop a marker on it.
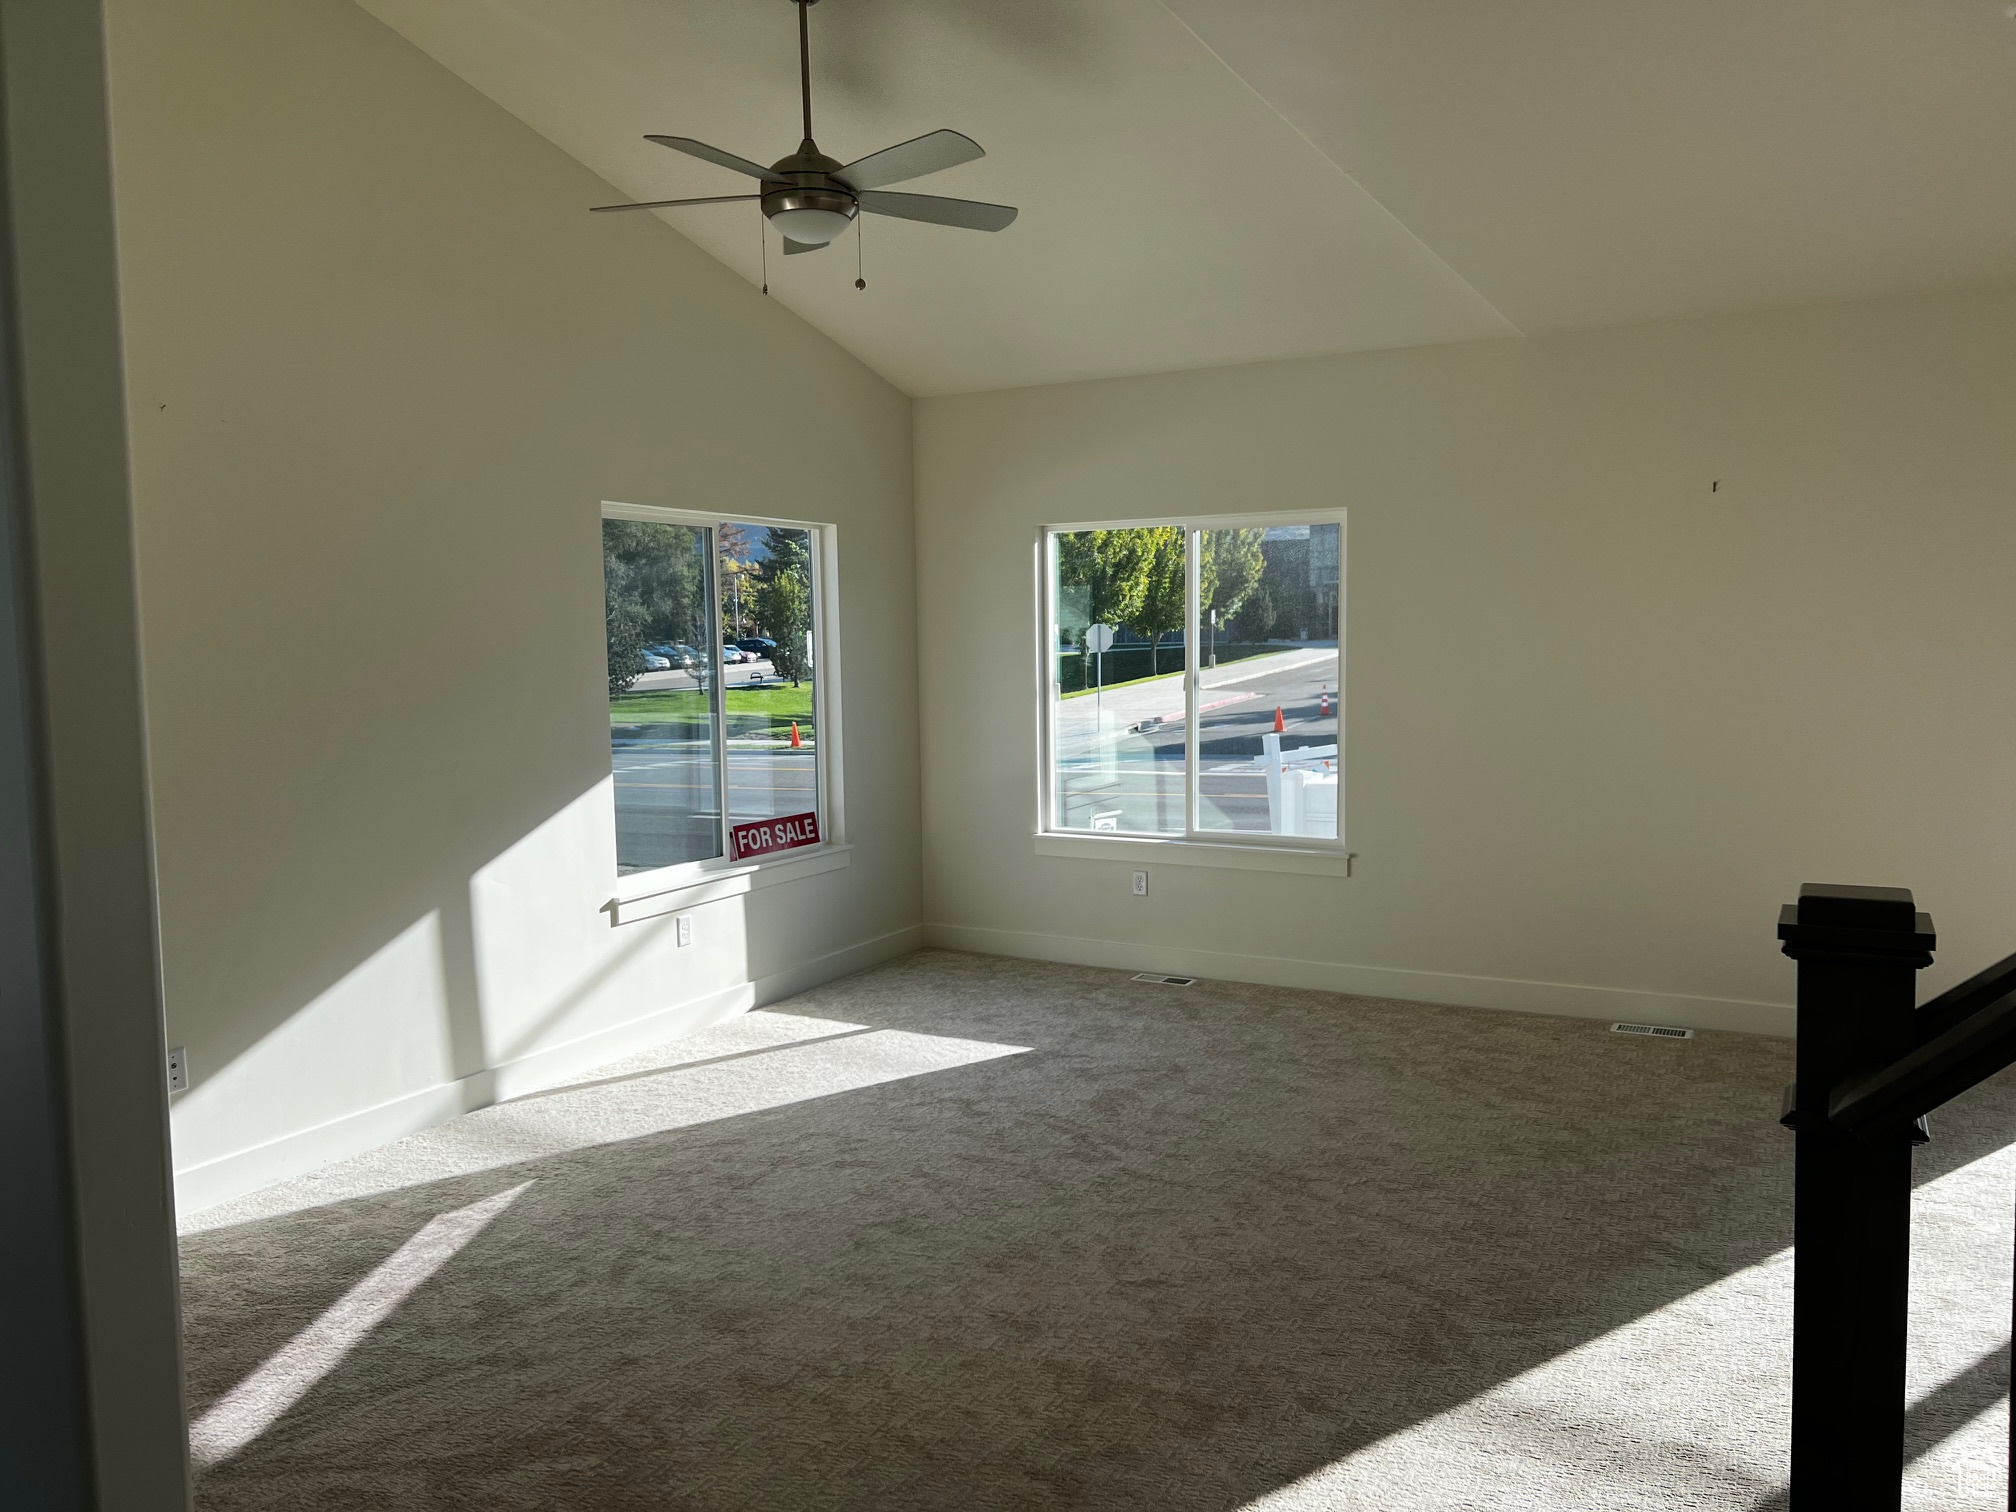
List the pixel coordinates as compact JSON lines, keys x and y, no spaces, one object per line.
{"x":1195,"y":847}
{"x":641,"y":894}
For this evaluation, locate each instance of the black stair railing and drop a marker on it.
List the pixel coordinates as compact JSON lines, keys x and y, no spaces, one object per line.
{"x":1875,"y":1066}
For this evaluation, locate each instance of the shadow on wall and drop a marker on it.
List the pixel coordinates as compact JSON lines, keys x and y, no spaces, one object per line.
{"x":1208,"y":1248}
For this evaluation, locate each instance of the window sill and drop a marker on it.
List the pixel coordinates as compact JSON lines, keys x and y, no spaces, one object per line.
{"x":1172,"y":852}
{"x":649,"y":894}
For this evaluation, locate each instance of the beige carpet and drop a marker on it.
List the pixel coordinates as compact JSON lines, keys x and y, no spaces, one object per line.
{"x":973,"y":1233}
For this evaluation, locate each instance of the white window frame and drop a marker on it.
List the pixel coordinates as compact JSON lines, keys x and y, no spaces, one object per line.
{"x":1195,"y":846}
{"x":645,"y":893}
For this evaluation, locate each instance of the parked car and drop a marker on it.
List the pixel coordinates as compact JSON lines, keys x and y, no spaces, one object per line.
{"x":653,"y":662}
{"x":732,"y":654}
{"x":757,"y":647}
{"x":677,"y":654}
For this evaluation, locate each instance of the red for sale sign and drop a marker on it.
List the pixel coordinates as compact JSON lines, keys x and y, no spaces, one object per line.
{"x":763,"y":836}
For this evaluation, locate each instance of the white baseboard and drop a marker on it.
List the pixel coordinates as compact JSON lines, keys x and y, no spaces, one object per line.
{"x":243,"y":1171}
{"x":1509,"y":993}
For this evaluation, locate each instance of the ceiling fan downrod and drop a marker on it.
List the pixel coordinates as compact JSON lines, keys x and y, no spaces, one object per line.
{"x":810,"y":207}
{"x":805,"y":69}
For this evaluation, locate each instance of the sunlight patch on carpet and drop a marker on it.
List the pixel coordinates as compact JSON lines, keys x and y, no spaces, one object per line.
{"x":638,"y":1104}
{"x":257,"y":1402}
{"x":1697,"y":1394}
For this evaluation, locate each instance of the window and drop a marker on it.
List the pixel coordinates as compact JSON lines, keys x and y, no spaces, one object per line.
{"x":714,"y":639}
{"x":1193,"y":673}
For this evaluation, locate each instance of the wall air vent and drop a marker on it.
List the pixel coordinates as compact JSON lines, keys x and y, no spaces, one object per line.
{"x":1657,"y":1031}
{"x":1164,"y":981}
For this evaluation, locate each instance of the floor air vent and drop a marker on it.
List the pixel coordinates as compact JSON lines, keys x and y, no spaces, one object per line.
{"x":1164,"y":981}
{"x":1657,"y":1031}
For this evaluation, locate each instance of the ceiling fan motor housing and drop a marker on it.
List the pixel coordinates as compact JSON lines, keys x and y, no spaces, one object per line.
{"x":806,"y":202}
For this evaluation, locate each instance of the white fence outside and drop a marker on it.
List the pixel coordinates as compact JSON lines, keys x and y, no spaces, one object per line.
{"x":1301,"y":797}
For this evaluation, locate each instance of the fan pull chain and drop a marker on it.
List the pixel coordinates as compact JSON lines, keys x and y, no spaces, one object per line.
{"x":860,"y":282}
{"x":763,"y":251}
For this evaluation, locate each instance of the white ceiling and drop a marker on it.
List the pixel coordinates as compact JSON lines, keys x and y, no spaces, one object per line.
{"x":1589,"y":162}
{"x":1217,"y":181}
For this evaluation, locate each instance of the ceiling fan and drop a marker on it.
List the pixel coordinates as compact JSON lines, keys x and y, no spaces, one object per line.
{"x":810,"y":198}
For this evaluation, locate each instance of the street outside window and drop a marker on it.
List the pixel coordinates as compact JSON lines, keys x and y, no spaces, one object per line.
{"x":1195,"y":686}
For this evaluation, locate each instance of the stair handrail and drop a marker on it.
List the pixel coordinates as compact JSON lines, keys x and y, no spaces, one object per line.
{"x":1937,"y":1071}
{"x":1982,"y":990}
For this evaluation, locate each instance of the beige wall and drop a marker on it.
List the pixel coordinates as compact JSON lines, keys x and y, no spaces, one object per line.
{"x":1603,"y":715}
{"x":383,"y":369}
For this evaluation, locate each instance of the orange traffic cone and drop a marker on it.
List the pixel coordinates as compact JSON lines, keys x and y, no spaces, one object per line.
{"x":796,"y":743}
{"x":1323,"y":707}
{"x":1280,"y":724}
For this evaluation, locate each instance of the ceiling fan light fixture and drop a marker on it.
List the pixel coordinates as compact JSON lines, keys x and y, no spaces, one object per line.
{"x":809,"y":213}
{"x":810,"y":226}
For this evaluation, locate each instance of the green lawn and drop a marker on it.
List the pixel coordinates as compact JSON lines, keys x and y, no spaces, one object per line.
{"x":672,"y":706}
{"x":786,"y":702}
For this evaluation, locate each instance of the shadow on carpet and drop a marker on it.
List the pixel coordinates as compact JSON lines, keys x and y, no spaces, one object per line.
{"x":1203,"y":1247}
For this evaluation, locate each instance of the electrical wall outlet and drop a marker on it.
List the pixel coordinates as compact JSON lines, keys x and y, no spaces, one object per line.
{"x":178,"y":1070}
{"x":1140,"y":884}
{"x":684,"y":925}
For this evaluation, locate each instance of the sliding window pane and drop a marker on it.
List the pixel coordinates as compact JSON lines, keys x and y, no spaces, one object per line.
{"x":662,"y":730}
{"x":769,"y":620}
{"x":1116,"y":689}
{"x":1268,"y":665}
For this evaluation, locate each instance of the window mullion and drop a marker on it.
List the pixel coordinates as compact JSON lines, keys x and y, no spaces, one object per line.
{"x":720,"y":680}
{"x":1192,"y":588}
{"x":1051,"y":685}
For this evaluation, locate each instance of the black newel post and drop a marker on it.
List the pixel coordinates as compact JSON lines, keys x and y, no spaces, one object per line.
{"x":1858,"y":949}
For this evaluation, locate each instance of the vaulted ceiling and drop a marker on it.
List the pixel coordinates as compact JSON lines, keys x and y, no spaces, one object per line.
{"x":1218,"y":181}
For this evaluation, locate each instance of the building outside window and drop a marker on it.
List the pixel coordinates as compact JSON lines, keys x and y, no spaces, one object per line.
{"x":714,"y":642}
{"x":1193,"y":673}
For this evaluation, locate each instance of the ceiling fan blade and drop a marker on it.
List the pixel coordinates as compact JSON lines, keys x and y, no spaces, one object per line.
{"x":912,"y":159}
{"x":713,"y":199}
{"x":715,"y":155}
{"x":791,"y":248}
{"x":973,"y":215}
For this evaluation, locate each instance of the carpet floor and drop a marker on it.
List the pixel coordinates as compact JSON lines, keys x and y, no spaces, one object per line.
{"x":972,"y":1233}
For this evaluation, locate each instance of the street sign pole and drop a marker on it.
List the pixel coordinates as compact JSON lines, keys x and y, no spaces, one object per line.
{"x":1099,"y":637}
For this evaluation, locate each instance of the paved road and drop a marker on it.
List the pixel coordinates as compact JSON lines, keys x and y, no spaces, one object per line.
{"x":667,"y":805}
{"x":1127,"y":758}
